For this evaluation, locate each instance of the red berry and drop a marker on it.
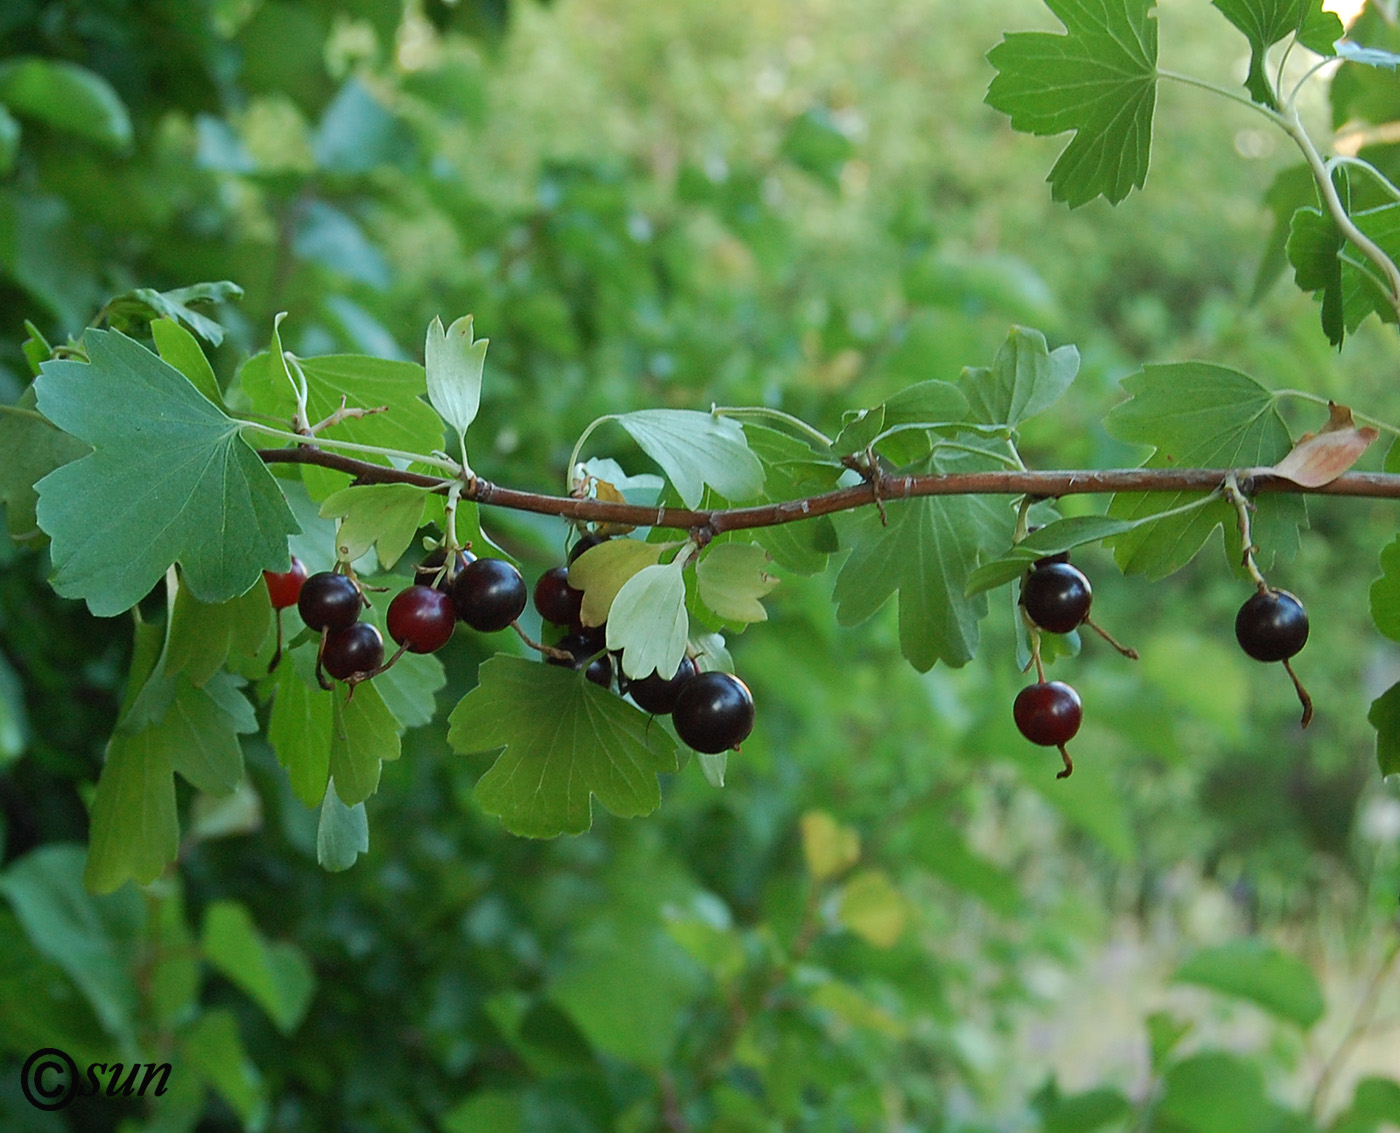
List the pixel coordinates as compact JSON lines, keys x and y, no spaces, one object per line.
{"x":556,"y":600}
{"x":357,"y":648}
{"x":713,"y":712}
{"x":329,"y":601}
{"x":285,"y":588}
{"x":1048,"y":713}
{"x":489,"y":594}
{"x":421,"y":619}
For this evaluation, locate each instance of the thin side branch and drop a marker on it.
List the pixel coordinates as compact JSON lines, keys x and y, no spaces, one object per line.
{"x":1001,"y":482}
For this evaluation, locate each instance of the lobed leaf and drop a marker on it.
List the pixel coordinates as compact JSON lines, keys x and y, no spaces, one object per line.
{"x":1266,"y":22}
{"x":383,"y":516}
{"x":731,"y":578}
{"x":697,"y":449}
{"x":342,"y":833}
{"x":453,"y":365}
{"x":648,"y":620}
{"x":1024,"y":379}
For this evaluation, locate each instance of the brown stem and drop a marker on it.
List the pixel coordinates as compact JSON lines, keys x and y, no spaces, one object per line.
{"x":1303,"y":698}
{"x":1003,"y":482}
{"x":1069,"y":763}
{"x":1129,"y":653}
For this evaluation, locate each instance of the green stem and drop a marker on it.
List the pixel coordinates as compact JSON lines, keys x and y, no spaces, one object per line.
{"x":796,"y":423}
{"x":1224,"y":92}
{"x":578,"y":448}
{"x":1381,"y":180}
{"x":1316,"y":399}
{"x":450,"y":466}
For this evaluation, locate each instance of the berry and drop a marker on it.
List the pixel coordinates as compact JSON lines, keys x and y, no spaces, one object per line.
{"x":657,"y":694}
{"x":489,"y":594}
{"x":713,"y":712}
{"x":421,"y":619}
{"x":1048,"y":713}
{"x":1272,"y":625}
{"x":427,"y":570}
{"x":556,"y":600}
{"x":357,"y":648}
{"x":329,"y":601}
{"x":582,"y":648}
{"x":586,"y":543}
{"x":285,"y":588}
{"x":1056,"y":597}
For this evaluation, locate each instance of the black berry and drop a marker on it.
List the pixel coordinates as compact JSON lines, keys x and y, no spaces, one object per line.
{"x":329,"y":601}
{"x":489,"y":594}
{"x":657,"y":694}
{"x":1048,"y":713}
{"x":581,"y":648}
{"x":713,"y":712}
{"x":586,"y":543}
{"x":285,"y":588}
{"x":357,"y":648}
{"x":556,"y":600}
{"x":421,"y":619}
{"x":1272,"y":625}
{"x":1056,"y":596}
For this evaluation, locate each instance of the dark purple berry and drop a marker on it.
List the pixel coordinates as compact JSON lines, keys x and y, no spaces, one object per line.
{"x":421,"y":619}
{"x":329,"y":601}
{"x":1272,"y":625}
{"x":713,"y":712}
{"x":1056,"y":596}
{"x":489,"y":594}
{"x":657,"y":694}
{"x":1048,"y":713}
{"x":357,"y":648}
{"x":556,"y":600}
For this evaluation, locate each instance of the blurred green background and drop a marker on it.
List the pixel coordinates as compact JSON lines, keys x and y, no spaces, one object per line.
{"x":892,"y":916}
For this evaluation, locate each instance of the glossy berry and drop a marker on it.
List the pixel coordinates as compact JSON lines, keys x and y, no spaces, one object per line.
{"x":329,"y":601}
{"x":713,"y":712}
{"x":657,"y":694}
{"x":1048,"y":713}
{"x":357,"y":648}
{"x":599,"y":668}
{"x":489,"y":594}
{"x":284,"y":589}
{"x":585,"y":543}
{"x":428,"y":569}
{"x":555,"y":599}
{"x":1272,"y":626}
{"x":421,"y":619}
{"x":1056,"y":596}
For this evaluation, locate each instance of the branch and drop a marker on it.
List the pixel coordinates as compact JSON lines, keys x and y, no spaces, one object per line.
{"x":1008,"y":482}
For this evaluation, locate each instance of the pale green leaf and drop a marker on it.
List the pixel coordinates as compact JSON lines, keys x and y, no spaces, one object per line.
{"x":277,"y":977}
{"x":382,"y":516}
{"x":697,"y":449}
{"x":1099,"y":80}
{"x":648,"y":620}
{"x":1025,"y":378}
{"x":731,"y":578}
{"x":601,"y":571}
{"x":170,"y":480}
{"x":561,"y":740}
{"x":454,"y":361}
{"x":873,"y":908}
{"x":342,"y":833}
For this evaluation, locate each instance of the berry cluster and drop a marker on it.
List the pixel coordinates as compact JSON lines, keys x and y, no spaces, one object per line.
{"x":1056,"y":598}
{"x":712,"y":711}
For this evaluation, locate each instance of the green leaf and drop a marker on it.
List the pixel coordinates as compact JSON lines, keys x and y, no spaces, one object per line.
{"x":1375,"y":1108}
{"x":1216,"y":1093}
{"x":695,"y":449}
{"x":1385,"y":592}
{"x":132,"y":310}
{"x":1323,"y":260}
{"x":791,"y":471}
{"x":200,"y":732}
{"x":1099,"y":80}
{"x":204,"y":635}
{"x":212,"y":1048}
{"x":1164,"y":1034}
{"x":382,"y":516}
{"x":1198,"y":416}
{"x":648,"y":620}
{"x":926,"y":554}
{"x":410,"y":424}
{"x":67,"y":97}
{"x":931,"y":403}
{"x":9,"y":140}
{"x":277,"y":977}
{"x":814,"y":143}
{"x":93,"y":939}
{"x":33,"y":446}
{"x":565,"y":740}
{"x":1250,"y":969}
{"x":1062,"y":535}
{"x":342,"y":833}
{"x":1083,"y":1113}
{"x":1384,"y":716}
{"x":364,"y":733}
{"x":299,"y":728}
{"x":454,"y":361}
{"x":178,"y":347}
{"x":1025,"y":378}
{"x":731,"y":578}
{"x":1266,"y":22}
{"x":170,"y":479}
{"x":873,"y":908}
{"x":601,"y":571}
{"x":134,"y":830}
